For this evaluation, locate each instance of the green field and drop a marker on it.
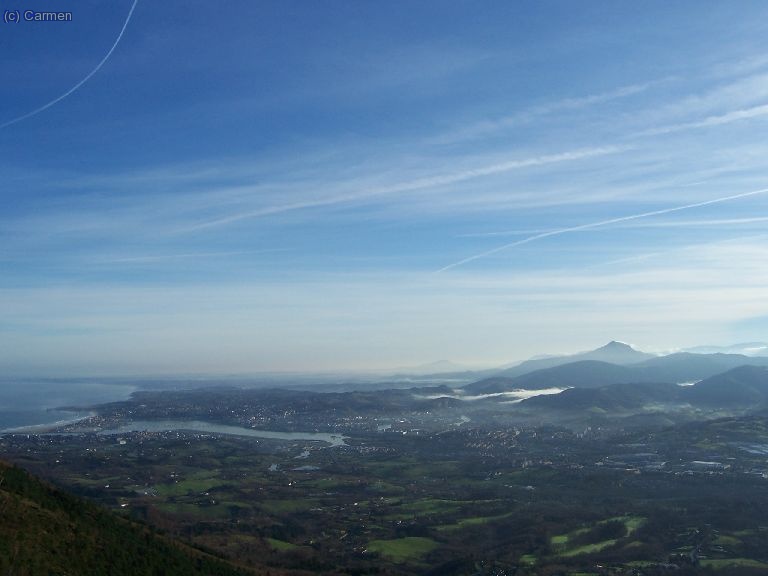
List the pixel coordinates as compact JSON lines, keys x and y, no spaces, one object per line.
{"x":403,"y":549}
{"x":281,"y":545}
{"x":589,"y":548}
{"x":473,"y":521}
{"x":563,"y":546}
{"x":195,"y":483}
{"x":412,"y":504}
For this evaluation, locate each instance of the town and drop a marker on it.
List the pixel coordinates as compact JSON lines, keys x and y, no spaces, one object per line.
{"x":416,"y":485}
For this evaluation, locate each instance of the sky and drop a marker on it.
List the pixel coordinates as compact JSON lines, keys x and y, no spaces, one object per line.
{"x":240,"y":187}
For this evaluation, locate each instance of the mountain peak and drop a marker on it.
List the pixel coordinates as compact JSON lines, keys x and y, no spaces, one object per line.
{"x":616,"y":352}
{"x":616,"y":345}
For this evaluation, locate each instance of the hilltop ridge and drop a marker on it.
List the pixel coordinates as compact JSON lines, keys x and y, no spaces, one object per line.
{"x":614,"y":352}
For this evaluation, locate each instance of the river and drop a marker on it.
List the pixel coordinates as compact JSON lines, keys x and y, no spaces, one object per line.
{"x":211,"y":428}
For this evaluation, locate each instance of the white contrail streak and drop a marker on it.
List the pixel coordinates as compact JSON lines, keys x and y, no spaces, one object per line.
{"x":732,"y":116}
{"x":489,"y":126}
{"x":417,"y":184}
{"x":74,"y":88}
{"x":535,"y":237}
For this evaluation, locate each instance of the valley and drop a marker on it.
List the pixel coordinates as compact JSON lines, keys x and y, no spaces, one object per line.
{"x":622,"y":478}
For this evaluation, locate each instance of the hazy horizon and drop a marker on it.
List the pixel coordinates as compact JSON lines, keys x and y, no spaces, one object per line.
{"x":295,"y":187}
{"x":436,"y":368}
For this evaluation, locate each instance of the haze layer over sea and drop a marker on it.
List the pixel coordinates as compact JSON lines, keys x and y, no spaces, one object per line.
{"x":37,"y":401}
{"x":28,"y":402}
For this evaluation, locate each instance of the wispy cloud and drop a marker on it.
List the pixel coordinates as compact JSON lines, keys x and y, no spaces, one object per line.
{"x":501,"y":233}
{"x":744,"y":64}
{"x":159,"y":258}
{"x":691,"y":252}
{"x":327,"y":318}
{"x":488,"y":127}
{"x":416,"y":184}
{"x":709,"y":121}
{"x":599,"y":224}
{"x":718,"y":222}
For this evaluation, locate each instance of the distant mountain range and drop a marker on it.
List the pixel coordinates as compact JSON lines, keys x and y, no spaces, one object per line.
{"x":745,"y":387}
{"x":579,"y":374}
{"x":614,"y":352}
{"x":746,"y":348}
{"x":614,"y":363}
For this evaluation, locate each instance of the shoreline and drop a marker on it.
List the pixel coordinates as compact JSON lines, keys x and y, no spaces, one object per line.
{"x":47,"y":427}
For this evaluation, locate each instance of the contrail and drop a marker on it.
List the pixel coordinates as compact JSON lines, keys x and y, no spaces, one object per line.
{"x":535,"y":237}
{"x":417,"y":184}
{"x":727,"y":118}
{"x":79,"y":84}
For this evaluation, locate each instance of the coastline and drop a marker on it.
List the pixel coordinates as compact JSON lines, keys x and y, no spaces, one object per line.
{"x":47,"y":427}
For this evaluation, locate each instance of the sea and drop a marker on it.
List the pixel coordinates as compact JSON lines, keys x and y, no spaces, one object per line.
{"x":27,"y":402}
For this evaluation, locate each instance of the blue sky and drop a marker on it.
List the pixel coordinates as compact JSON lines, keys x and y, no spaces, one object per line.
{"x":248,"y":187}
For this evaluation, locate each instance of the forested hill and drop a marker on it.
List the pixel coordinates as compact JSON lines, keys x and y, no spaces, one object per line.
{"x":46,"y":531}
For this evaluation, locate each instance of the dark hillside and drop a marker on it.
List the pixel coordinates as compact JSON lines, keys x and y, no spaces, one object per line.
{"x":614,"y":398}
{"x":683,"y":366}
{"x":582,"y":374}
{"x":745,"y":386}
{"x":674,"y":368}
{"x":46,"y":531}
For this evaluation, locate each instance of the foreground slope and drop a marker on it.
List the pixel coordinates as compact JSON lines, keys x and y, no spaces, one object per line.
{"x":45,"y":531}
